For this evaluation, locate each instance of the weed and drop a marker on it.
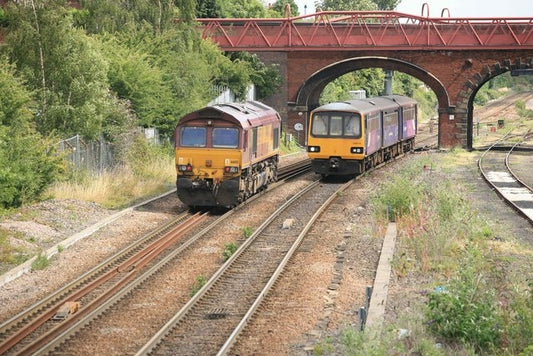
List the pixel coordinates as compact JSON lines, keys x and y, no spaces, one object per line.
{"x":229,"y":250}
{"x":247,"y":232}
{"x":41,"y":262}
{"x":200,"y":282}
{"x":465,"y":310}
{"x":60,"y":248}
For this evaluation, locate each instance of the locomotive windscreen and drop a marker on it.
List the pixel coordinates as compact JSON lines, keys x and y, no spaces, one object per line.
{"x":225,"y":137}
{"x":193,"y":136}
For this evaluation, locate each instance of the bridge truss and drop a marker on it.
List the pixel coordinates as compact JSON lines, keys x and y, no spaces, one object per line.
{"x":364,"y":30}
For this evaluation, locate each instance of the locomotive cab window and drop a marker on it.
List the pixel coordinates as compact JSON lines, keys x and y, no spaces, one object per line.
{"x":193,"y":136}
{"x":225,"y":137}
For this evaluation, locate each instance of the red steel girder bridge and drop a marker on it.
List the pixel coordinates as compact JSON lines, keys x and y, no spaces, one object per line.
{"x":382,"y":30}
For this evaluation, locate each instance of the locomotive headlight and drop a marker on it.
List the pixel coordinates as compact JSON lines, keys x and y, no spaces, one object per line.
{"x":357,"y":150}
{"x":313,"y":148}
{"x":185,"y":168}
{"x":230,"y":169}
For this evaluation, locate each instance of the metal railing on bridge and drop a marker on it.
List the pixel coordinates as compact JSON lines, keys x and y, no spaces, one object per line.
{"x":356,"y":30}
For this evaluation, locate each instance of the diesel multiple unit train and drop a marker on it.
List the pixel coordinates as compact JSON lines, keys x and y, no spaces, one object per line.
{"x":226,"y":153}
{"x":349,"y":137}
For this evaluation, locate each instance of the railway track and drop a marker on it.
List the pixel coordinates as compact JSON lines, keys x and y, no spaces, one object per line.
{"x":35,"y":330}
{"x":494,"y":167}
{"x":30,"y":330}
{"x":211,"y":321}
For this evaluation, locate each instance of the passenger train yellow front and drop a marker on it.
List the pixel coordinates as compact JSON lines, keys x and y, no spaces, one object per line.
{"x":335,"y":141}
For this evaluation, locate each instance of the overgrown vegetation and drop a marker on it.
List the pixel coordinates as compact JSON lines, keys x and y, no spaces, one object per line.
{"x":105,"y":68}
{"x":229,"y":250}
{"x":146,"y":169}
{"x":28,"y":160}
{"x":200,"y":282}
{"x":247,"y":231}
{"x":40,"y":262}
{"x":481,"y":297}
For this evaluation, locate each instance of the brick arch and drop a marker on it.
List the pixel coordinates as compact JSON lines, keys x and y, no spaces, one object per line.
{"x":309,"y":92}
{"x":465,"y":104}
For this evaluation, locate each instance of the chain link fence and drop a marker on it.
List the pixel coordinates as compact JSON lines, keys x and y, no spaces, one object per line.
{"x":94,"y":156}
{"x":97,"y":155}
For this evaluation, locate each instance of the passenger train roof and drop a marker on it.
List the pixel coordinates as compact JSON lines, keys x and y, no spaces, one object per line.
{"x":246,"y":114}
{"x":367,"y":105}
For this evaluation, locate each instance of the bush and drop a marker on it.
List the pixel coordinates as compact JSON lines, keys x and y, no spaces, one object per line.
{"x":465,"y":310}
{"x":247,"y":231}
{"x":3,"y":19}
{"x":28,"y":160}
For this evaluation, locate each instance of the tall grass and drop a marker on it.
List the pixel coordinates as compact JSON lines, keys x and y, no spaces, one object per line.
{"x":146,"y":170}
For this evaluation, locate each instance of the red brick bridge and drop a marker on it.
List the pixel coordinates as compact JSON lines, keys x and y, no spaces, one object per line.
{"x":453,"y":56}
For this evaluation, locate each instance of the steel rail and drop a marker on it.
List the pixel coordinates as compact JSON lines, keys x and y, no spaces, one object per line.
{"x":214,"y":280}
{"x":59,"y":334}
{"x":501,"y":193}
{"x":56,"y":299}
{"x":277,"y":273}
{"x":88,"y":282}
{"x":138,"y":282}
{"x":147,"y":348}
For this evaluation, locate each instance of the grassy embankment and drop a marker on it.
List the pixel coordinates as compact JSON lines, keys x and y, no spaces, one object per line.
{"x":470,"y":278}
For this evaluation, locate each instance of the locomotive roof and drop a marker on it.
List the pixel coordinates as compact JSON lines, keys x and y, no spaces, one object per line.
{"x":246,"y":114}
{"x":368,"y":105}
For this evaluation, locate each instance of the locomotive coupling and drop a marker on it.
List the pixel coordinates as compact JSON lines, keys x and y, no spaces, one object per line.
{"x":334,"y":163}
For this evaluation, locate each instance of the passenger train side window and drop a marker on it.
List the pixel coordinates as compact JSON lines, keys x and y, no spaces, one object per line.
{"x":193,"y":136}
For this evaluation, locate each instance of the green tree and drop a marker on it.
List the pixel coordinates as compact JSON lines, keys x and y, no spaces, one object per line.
{"x":208,"y":9}
{"x":386,"y":4}
{"x":62,"y":66}
{"x":370,"y":79}
{"x":100,"y":16}
{"x":134,"y":77}
{"x":28,"y":160}
{"x":3,"y":19}
{"x":346,"y":5}
{"x":267,"y":79}
{"x":279,"y":7}
{"x":242,"y":9}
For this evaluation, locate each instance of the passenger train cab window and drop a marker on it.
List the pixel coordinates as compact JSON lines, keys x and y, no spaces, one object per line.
{"x":225,"y":137}
{"x":319,"y":126}
{"x":337,"y":125}
{"x":352,"y":126}
{"x":193,"y":136}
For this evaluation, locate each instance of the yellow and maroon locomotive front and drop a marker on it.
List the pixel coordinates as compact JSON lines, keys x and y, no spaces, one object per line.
{"x":226,"y":153}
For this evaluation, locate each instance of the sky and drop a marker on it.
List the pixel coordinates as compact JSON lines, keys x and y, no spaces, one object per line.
{"x":458,"y":8}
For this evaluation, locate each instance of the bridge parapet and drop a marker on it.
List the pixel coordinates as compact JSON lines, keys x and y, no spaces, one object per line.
{"x":363,"y":30}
